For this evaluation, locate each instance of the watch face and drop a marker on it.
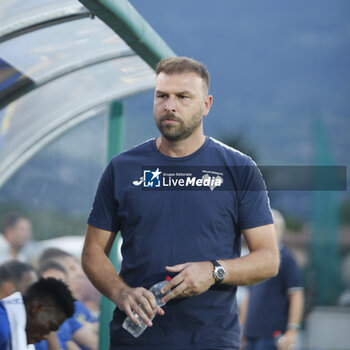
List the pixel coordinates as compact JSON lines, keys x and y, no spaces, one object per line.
{"x":219,"y":273}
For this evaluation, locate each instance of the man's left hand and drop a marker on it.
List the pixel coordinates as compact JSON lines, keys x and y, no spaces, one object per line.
{"x":288,"y":341}
{"x":192,"y":279}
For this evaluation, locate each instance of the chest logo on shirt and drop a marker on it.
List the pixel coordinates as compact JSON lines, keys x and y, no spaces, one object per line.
{"x":152,"y":178}
{"x":178,"y":179}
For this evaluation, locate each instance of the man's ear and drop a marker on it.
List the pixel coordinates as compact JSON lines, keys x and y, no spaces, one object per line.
{"x":35,"y":308}
{"x":207,"y":104}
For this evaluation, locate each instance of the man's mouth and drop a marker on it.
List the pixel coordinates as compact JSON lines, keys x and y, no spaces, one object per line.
{"x":169,"y":121}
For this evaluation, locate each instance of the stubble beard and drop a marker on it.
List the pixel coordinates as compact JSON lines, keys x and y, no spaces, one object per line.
{"x":180,"y":130}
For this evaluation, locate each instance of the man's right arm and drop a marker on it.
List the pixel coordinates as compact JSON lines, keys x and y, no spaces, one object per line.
{"x":101,"y":272}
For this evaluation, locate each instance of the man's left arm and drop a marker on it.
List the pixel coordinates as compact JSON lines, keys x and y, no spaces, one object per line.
{"x":261,"y":263}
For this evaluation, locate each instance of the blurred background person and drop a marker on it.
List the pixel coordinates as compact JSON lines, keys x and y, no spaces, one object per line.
{"x":16,"y":276}
{"x":275,"y":305}
{"x":64,"y":335}
{"x":71,"y":265}
{"x":30,"y":318}
{"x":82,"y":329}
{"x":16,"y":233}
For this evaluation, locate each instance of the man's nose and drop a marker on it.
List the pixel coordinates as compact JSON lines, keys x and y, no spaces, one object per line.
{"x":170,"y":105}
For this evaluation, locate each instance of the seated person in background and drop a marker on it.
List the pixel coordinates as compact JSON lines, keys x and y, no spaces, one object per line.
{"x":29,"y":319}
{"x":73,"y":331}
{"x":75,"y":278}
{"x":16,"y":276}
{"x":71,"y":265}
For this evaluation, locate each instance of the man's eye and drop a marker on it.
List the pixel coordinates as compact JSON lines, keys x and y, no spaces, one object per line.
{"x":182,"y":97}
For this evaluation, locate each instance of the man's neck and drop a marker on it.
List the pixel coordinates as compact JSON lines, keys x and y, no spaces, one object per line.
{"x":180,"y":148}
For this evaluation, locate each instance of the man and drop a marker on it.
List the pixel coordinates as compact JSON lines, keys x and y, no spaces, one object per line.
{"x":185,"y":225}
{"x":16,"y":276}
{"x":17,"y":231}
{"x":82,"y":328}
{"x":43,"y":308}
{"x":275,"y":306}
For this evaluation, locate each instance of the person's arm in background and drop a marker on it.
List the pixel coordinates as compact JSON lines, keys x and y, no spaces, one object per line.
{"x":87,"y":337}
{"x":50,"y":343}
{"x":295,"y":314}
{"x":71,"y":345}
{"x":242,"y":313}
{"x":53,"y":342}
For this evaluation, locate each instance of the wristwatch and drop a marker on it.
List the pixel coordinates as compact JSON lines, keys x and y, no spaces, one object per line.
{"x":218,"y":272}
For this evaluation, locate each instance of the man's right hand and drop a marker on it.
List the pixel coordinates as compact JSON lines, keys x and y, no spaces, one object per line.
{"x":101,"y":272}
{"x":138,"y":300}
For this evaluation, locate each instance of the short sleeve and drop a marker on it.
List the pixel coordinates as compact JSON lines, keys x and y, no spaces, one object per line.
{"x":104,"y":213}
{"x":74,"y":324}
{"x":82,"y":314}
{"x":291,"y":276}
{"x":254,"y":206}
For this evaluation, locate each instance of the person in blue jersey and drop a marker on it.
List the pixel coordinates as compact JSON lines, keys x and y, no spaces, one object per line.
{"x":182,"y":202}
{"x":78,"y":330}
{"x":30,"y":318}
{"x":275,"y":307}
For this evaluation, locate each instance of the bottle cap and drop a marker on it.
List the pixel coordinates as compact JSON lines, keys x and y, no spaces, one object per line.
{"x":276,"y":334}
{"x":168,"y":278}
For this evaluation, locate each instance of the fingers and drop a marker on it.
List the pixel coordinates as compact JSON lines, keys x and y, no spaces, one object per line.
{"x":192,"y":279}
{"x":175,"y":280}
{"x":139,"y":304}
{"x":160,"y":311}
{"x":176,"y":268}
{"x":180,"y":285}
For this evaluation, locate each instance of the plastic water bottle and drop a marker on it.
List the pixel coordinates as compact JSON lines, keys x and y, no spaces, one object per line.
{"x":137,"y":330}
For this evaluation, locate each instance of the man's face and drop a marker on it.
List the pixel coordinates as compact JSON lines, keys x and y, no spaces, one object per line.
{"x":20,"y":233}
{"x":180,"y":102}
{"x":75,"y":274}
{"x":41,"y":320}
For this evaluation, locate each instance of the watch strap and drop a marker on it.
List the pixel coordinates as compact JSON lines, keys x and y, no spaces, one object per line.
{"x":215,"y":263}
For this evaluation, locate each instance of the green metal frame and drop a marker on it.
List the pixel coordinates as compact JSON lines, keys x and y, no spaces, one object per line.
{"x":115,"y":145}
{"x":324,"y":270}
{"x":122,"y":17}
